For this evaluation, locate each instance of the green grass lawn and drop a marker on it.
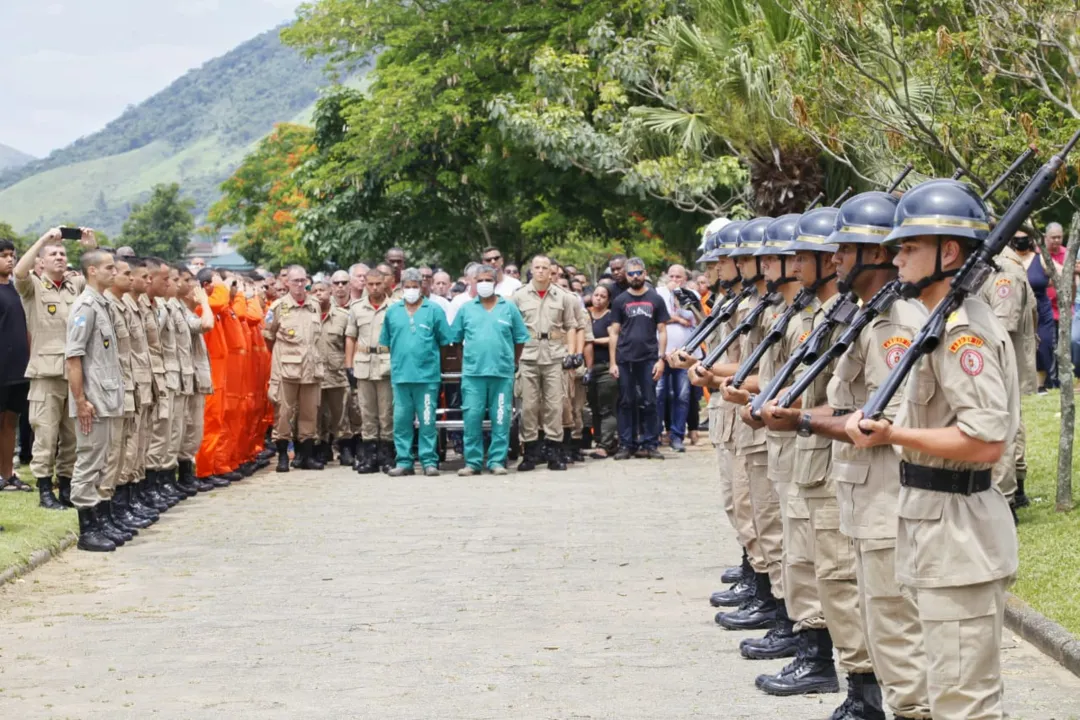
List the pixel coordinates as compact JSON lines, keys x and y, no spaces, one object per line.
{"x":1049,"y":577}
{"x":27,"y":527}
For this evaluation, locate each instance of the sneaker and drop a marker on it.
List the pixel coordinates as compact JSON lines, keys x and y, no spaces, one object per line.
{"x":677,"y":445}
{"x":467,"y":472}
{"x":401,"y":471}
{"x":498,"y":470}
{"x":431,"y":471}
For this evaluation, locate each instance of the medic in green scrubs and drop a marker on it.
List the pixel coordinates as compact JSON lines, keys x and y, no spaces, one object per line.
{"x":414,"y":329}
{"x":493,"y":334}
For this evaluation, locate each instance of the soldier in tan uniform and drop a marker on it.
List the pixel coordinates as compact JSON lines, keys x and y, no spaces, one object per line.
{"x":166,"y":431}
{"x":96,"y":399}
{"x":333,"y":420}
{"x":292,"y":334}
{"x":1008,"y":293}
{"x":195,"y":375}
{"x":161,"y":341}
{"x":119,"y":512}
{"x":47,"y":298}
{"x":579,"y":360}
{"x":956,"y":548}
{"x":129,"y":494}
{"x":550,"y":316}
{"x":367,"y":365}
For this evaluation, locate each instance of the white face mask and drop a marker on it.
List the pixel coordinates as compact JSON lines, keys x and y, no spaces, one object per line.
{"x":411,"y":295}
{"x":485,"y":288}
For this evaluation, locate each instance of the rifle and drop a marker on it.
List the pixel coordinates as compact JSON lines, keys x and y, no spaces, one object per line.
{"x":839,"y":314}
{"x":721,"y":313}
{"x":813,"y":203}
{"x":899,"y":178}
{"x":742,"y":328}
{"x":776,"y":332}
{"x":970,"y":278}
{"x":843,"y":196}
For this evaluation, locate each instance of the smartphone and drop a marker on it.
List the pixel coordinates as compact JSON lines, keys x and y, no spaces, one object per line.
{"x":71,"y":233}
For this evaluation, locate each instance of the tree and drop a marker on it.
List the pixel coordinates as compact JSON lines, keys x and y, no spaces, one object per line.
{"x":8,"y":233}
{"x":162,"y":226}
{"x":264,"y":198}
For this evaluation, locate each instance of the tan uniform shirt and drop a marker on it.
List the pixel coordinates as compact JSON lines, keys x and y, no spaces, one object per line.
{"x":140,"y":354}
{"x":813,"y":455}
{"x":118,"y":313}
{"x":294,"y":329}
{"x":92,"y":338}
{"x":868,"y":481}
{"x":798,"y":329}
{"x":184,"y":323}
{"x":548,"y":319}
{"x":168,"y":334}
{"x":370,"y":361}
{"x":970,"y":380}
{"x":727,"y":414}
{"x":332,"y":347}
{"x":200,"y":361}
{"x":747,"y":439}
{"x":1008,"y":292}
{"x":47,"y":307}
{"x":152,"y":324}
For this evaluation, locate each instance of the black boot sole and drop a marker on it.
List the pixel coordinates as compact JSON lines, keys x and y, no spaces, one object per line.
{"x":814,"y":688}
{"x":718,"y":599}
{"x":772,"y":652}
{"x":763,"y":623}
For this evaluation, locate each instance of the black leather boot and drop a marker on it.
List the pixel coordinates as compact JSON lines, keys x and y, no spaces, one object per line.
{"x":345,"y":452}
{"x":367,"y":462}
{"x":1020,"y":499}
{"x":780,"y":641}
{"x":308,"y":461}
{"x":756,"y":614}
{"x":133,"y":500}
{"x":282,"y":456}
{"x":219,"y":481}
{"x":185,"y":477}
{"x":150,"y":494}
{"x":863,"y":700}
{"x":121,"y":509}
{"x":203,"y":484}
{"x":247,"y":469}
{"x":555,"y":455}
{"x":740,"y":592}
{"x":327,"y":455}
{"x":63,"y":487}
{"x":529,"y":457}
{"x":387,"y":456}
{"x":167,"y":481}
{"x":116,"y":517}
{"x":90,"y":537}
{"x":813,"y":670}
{"x":733,"y":574}
{"x":106,"y":527}
{"x":46,"y":499}
{"x":566,"y":448}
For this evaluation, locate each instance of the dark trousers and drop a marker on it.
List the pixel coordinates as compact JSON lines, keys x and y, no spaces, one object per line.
{"x":604,"y":402}
{"x":636,"y":387}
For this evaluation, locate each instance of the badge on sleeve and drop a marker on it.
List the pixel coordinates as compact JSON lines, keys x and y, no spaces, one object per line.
{"x":291,"y":332}
{"x":971,"y":362}
{"x":802,"y":337}
{"x":269,"y":316}
{"x":895,"y":347}
{"x":79,"y":321}
{"x":963,"y":340}
{"x":1003,"y":287}
{"x":51,"y":307}
{"x":106,"y":343}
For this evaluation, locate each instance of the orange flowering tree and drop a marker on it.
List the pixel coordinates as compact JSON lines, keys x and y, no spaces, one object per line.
{"x":264,"y":199}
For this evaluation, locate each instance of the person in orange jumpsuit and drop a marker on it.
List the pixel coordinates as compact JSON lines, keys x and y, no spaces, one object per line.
{"x":253,"y":318}
{"x":236,"y":348}
{"x":214,"y":411}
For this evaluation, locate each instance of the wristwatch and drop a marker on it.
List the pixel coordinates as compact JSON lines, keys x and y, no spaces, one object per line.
{"x":803,"y":428}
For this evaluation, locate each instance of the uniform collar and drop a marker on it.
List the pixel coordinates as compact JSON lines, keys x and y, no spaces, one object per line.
{"x":550,"y":288}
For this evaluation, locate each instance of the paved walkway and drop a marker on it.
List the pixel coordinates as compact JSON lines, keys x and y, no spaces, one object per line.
{"x":332,"y":595}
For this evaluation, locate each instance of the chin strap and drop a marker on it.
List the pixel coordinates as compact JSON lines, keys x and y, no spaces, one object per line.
{"x":784,"y":279}
{"x":912,"y":290}
{"x":844,"y":286}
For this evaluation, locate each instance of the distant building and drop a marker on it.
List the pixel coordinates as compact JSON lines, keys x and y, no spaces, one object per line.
{"x":218,"y":254}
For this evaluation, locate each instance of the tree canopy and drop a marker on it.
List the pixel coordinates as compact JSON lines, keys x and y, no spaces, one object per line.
{"x":161,"y":227}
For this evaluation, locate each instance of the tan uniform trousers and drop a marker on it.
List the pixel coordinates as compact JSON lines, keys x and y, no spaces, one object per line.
{"x":821,"y":578}
{"x":376,"y":401}
{"x":767,"y":551}
{"x":735,"y":496}
{"x":574,"y":397}
{"x":298,"y":402}
{"x":961,"y":629}
{"x":114,"y":463}
{"x":91,"y":462}
{"x":138,"y":445}
{"x":332,"y":415}
{"x":160,"y":435}
{"x":893,"y":634}
{"x":54,"y":430}
{"x":355,"y":424}
{"x":177,"y":428}
{"x":194,"y":409}
{"x":541,"y":401}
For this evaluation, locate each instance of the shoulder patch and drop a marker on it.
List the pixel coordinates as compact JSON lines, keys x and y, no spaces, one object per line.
{"x":895,"y":347}
{"x":971,"y":362}
{"x":802,"y":338}
{"x":79,"y":320}
{"x":963,"y":340}
{"x":1003,"y":287}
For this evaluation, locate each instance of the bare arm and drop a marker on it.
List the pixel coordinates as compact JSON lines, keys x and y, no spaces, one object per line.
{"x":25,"y":266}
{"x":949,"y":443}
{"x":84,"y":411}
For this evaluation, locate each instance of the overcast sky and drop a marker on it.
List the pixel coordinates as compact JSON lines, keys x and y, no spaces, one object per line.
{"x":67,"y":67}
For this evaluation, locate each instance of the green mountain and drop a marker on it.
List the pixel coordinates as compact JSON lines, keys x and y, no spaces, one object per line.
{"x":195,"y":132}
{"x":12,"y":158}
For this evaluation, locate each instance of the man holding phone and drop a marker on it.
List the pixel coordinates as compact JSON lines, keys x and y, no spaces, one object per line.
{"x":47,"y":299}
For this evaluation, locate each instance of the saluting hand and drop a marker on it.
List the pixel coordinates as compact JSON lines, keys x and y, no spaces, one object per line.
{"x":86,"y":413}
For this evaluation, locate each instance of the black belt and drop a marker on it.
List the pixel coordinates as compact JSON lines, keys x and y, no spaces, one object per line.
{"x":543,"y":336}
{"x":376,"y":351}
{"x":960,"y":482}
{"x":841,"y":413}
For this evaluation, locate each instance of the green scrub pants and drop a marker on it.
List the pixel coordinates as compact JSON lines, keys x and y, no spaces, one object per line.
{"x":419,"y":401}
{"x":495,"y":397}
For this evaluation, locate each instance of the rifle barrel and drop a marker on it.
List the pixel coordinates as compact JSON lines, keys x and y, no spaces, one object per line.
{"x":899,"y":178}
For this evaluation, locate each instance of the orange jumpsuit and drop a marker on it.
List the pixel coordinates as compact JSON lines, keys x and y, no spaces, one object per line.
{"x":234,"y":379}
{"x":214,"y":412}
{"x":260,"y":368}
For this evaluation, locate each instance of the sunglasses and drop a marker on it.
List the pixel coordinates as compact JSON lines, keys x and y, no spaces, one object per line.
{"x":341,"y":282}
{"x":635,"y":273}
{"x":493,"y":258}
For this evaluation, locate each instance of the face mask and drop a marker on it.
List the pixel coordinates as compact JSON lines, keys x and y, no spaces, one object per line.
{"x":1023,"y":244}
{"x":485,"y":288}
{"x":411,"y":295}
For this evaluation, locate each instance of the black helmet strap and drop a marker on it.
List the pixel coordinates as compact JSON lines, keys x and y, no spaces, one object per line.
{"x":913,"y":290}
{"x":844,"y":286}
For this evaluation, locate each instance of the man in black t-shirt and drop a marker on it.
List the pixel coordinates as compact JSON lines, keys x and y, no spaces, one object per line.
{"x":14,"y":356}
{"x":637,"y":360}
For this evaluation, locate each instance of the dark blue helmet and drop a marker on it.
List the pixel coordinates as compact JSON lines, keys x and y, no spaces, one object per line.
{"x":707,"y":249}
{"x":751,"y":235}
{"x":708,"y":240}
{"x":727,"y":240}
{"x":778,"y":235}
{"x":813,"y":230}
{"x":940,"y":207}
{"x":865,"y":219}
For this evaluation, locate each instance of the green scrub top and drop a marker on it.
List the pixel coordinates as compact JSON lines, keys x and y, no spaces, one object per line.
{"x":414,"y":342}
{"x":489,"y":337}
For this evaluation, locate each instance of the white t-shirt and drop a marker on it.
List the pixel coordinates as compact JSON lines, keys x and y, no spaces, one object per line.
{"x":456,"y":304}
{"x":677,"y":334}
{"x":441,"y":302}
{"x":507,"y":286}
